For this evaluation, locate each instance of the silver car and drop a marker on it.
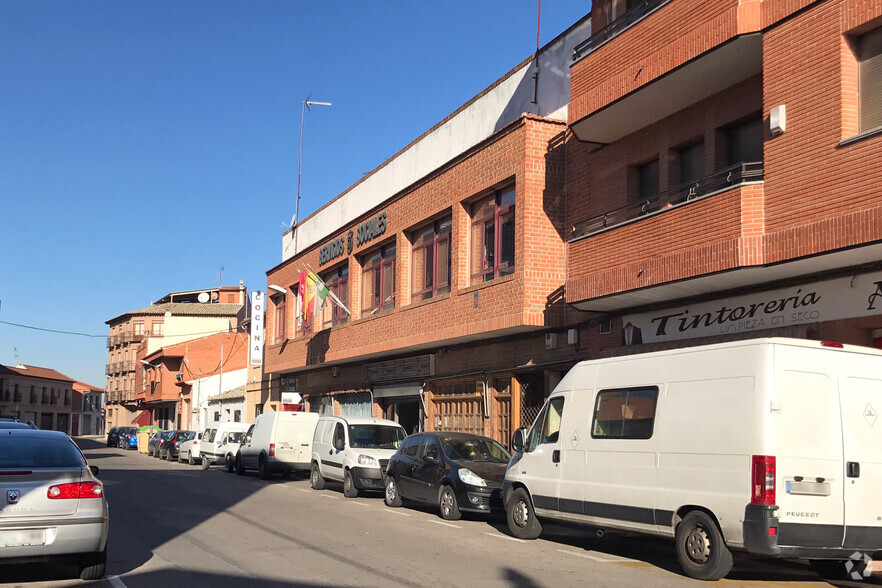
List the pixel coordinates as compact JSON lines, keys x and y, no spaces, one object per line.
{"x":52,"y":504}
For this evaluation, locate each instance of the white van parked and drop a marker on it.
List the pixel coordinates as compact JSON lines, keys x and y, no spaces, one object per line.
{"x":277,"y":442}
{"x":768,"y":446}
{"x":219,"y":444}
{"x":355,"y":451}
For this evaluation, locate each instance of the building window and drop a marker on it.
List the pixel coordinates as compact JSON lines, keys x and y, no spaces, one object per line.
{"x":431,"y":260}
{"x":53,"y":396}
{"x":217,"y":416}
{"x":139,"y":329}
{"x":338,"y":283}
{"x":33,"y":395}
{"x":647,"y":180}
{"x":16,"y":395}
{"x":378,"y":280}
{"x":493,"y":236}
{"x":237,"y":416}
{"x":67,"y":397}
{"x":744,"y":142}
{"x":691,"y":160}
{"x":45,"y":396}
{"x":281,"y":318}
{"x":4,"y":392}
{"x":869,"y":48}
{"x":157,"y":329}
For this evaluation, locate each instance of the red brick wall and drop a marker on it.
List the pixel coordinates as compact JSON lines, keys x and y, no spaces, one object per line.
{"x":530,"y":153}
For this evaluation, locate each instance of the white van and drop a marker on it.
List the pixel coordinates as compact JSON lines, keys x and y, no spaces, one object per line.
{"x":353,"y":450}
{"x":768,"y":446}
{"x":277,"y":442}
{"x":219,"y":444}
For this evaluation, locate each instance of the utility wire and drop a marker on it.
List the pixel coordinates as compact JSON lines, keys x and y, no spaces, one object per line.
{"x":108,"y":335}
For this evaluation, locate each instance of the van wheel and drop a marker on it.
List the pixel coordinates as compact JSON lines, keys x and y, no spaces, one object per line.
{"x":190,"y":459}
{"x":205,"y":463}
{"x":262,"y":469}
{"x":449,"y":507}
{"x":349,"y":489}
{"x":231,"y":463}
{"x":522,"y":521}
{"x":240,"y":467}
{"x":702,"y":553}
{"x":315,"y":478}
{"x":392,"y":498}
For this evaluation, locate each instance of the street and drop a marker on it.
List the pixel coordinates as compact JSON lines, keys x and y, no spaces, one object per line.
{"x":176,"y":525}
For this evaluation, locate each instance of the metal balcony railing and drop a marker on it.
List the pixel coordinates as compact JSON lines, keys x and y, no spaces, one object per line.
{"x":635,"y":13}
{"x":719,"y":181}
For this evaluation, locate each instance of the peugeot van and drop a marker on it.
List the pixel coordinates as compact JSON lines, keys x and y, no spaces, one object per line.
{"x":220,"y":442}
{"x":277,"y":442}
{"x":769,"y":446}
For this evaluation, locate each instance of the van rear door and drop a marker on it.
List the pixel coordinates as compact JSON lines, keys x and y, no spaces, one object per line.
{"x":861,"y":398}
{"x":806,"y":442}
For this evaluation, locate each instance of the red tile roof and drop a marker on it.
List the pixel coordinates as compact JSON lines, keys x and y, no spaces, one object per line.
{"x":33,"y":371}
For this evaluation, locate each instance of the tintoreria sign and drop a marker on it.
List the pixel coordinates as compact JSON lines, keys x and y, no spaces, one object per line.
{"x":841,"y":298}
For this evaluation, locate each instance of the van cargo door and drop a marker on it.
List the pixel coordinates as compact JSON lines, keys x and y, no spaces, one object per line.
{"x":861,"y":398}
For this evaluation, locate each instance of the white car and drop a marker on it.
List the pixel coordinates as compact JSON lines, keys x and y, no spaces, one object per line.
{"x":190,"y":450}
{"x":52,"y":504}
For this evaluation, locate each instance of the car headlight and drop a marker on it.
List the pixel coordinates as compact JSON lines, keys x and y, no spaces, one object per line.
{"x":470,"y":477}
{"x":368,"y":461}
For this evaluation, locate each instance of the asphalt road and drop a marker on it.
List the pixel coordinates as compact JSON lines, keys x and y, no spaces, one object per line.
{"x":176,"y":525}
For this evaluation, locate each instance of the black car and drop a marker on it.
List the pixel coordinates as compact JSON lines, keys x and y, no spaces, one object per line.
{"x":459,"y":472}
{"x":113,"y":437}
{"x":172,"y":446}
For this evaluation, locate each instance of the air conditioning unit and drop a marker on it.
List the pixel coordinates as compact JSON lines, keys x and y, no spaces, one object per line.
{"x":550,"y":340}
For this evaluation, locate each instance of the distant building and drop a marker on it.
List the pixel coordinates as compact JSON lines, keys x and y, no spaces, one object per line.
{"x":37,"y":394}
{"x":87,"y":415}
{"x":174,"y":318}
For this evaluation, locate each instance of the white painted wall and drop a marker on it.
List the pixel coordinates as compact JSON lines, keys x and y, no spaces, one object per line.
{"x":481,"y":119}
{"x":177,"y":329}
{"x":204,"y":388}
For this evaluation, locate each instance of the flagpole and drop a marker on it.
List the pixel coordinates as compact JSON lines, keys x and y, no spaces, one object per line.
{"x":330,"y":292}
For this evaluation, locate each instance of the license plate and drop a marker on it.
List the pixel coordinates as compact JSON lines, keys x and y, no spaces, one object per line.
{"x":22,"y":538}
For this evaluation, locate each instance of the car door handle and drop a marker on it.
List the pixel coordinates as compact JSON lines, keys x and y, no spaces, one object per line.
{"x":555,"y":456}
{"x":853,"y":469}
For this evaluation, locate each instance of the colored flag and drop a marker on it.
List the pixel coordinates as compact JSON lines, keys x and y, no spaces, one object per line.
{"x":321,"y":291}
{"x":307,"y":295}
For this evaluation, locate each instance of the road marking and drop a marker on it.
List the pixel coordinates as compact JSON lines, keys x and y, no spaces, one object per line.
{"x":302,"y":490}
{"x":498,"y":536}
{"x":329,"y":496}
{"x":116,"y":582}
{"x":593,"y":557}
{"x":395,"y":512}
{"x":445,"y":524}
{"x":359,"y":504}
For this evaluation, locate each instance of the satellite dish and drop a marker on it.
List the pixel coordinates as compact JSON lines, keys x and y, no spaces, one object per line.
{"x":203,"y":297}
{"x":167,"y":313}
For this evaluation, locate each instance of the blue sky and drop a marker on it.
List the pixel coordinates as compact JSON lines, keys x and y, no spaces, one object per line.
{"x":143,"y":145}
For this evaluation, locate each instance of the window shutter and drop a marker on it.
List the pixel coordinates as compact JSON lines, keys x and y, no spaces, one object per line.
{"x":870,"y":56}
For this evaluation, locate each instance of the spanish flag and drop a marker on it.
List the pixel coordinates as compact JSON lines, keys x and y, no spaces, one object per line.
{"x":307,"y":295}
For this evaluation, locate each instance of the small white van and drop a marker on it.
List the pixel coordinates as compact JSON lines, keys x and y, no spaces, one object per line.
{"x":353,"y":450}
{"x":220,"y":442}
{"x":277,"y":442}
{"x":768,"y":446}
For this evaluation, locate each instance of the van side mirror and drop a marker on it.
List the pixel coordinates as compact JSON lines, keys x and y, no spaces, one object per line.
{"x":339,"y":444}
{"x":517,"y":440}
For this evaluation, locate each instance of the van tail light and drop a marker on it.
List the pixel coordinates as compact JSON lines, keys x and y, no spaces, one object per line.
{"x":834,"y":344}
{"x":272,"y":449}
{"x":763,"y":479}
{"x":76,"y":490}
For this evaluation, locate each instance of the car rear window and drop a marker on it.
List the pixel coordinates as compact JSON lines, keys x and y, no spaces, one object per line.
{"x":36,"y":452}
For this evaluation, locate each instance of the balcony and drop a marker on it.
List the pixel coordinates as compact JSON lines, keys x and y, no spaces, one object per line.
{"x":125,"y":366}
{"x":720,"y":181}
{"x":635,"y":14}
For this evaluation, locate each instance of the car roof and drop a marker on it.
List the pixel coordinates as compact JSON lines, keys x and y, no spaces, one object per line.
{"x":29,"y":432}
{"x":356,"y":420}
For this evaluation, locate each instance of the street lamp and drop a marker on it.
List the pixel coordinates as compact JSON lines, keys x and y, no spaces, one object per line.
{"x":306,"y":104}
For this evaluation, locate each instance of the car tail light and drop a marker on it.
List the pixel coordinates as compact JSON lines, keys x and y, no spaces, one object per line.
{"x":272,"y":449}
{"x":76,"y":490}
{"x":834,"y":344}
{"x":763,"y":479}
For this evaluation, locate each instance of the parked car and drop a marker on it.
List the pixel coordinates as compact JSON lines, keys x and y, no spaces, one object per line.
{"x":54,"y":504}
{"x":190,"y":449}
{"x":172,"y":446}
{"x":10,"y":424}
{"x":748,"y":445}
{"x":113,"y":437}
{"x":127,"y":438}
{"x":459,"y":472}
{"x":155,"y":441}
{"x":220,"y":443}
{"x":277,"y":442}
{"x":353,"y":450}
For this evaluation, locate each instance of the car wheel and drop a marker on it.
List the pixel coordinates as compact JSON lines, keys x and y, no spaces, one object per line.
{"x":522,"y":521}
{"x":190,"y":459}
{"x":315,"y":478}
{"x":392,"y":498}
{"x":448,"y":505}
{"x":263,"y":468}
{"x":349,"y":489}
{"x":701,"y":551}
{"x":93,"y":565}
{"x":231,"y":463}
{"x":205,"y":463}
{"x":240,"y":467}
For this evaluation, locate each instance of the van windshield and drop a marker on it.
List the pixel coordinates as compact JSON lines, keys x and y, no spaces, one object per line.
{"x":235,"y":437}
{"x":375,"y":436}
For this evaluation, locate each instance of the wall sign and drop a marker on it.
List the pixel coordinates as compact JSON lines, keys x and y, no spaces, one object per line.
{"x":366,"y":231}
{"x":332,"y":250}
{"x":813,"y":302}
{"x":371,"y":229}
{"x":256,"y":343}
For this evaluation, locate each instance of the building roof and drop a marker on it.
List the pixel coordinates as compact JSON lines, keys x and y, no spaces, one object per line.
{"x":237,"y":392}
{"x":83,"y":387}
{"x":32,"y":371}
{"x":183,"y":309}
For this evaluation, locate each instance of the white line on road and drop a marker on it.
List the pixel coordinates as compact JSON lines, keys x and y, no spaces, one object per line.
{"x":302,"y":490}
{"x":390,"y":511}
{"x":498,"y":536}
{"x":593,"y":557}
{"x":445,"y":524}
{"x":329,"y":496}
{"x":116,"y":582}
{"x":359,"y":503}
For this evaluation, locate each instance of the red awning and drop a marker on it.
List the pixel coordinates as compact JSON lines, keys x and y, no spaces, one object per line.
{"x":143,"y":419}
